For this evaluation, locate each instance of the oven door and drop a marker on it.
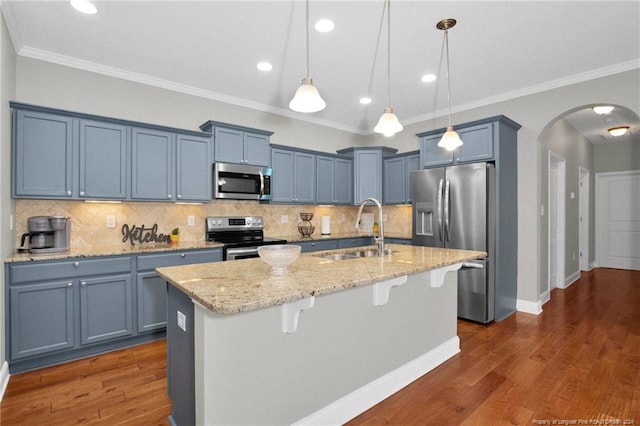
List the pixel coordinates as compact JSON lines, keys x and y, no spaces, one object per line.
{"x":238,"y":253}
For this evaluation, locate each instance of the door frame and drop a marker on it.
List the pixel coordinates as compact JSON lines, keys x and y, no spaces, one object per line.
{"x":559,"y":163}
{"x":584,"y":201}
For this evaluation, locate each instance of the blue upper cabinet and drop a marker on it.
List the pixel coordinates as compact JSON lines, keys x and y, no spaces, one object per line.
{"x":237,"y":144}
{"x":397,"y":177}
{"x":103,"y":152}
{"x":62,"y":154}
{"x":294,"y":176}
{"x":43,"y":163}
{"x":193,"y":168}
{"x":334,"y":180}
{"x":152,"y":157}
{"x":367,"y":171}
{"x":478,"y":145}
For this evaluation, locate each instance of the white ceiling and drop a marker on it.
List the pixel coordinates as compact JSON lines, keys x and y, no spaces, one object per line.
{"x":499,"y":50}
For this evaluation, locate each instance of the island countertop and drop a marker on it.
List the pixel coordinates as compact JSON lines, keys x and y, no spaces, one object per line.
{"x":244,"y":285}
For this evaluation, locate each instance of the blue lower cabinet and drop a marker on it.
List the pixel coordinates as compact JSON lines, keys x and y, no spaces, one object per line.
{"x":355,"y":242}
{"x":41,"y":319}
{"x":105,"y":308}
{"x":309,"y":246}
{"x":152,"y":301}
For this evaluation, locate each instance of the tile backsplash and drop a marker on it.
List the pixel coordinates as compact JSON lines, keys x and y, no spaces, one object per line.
{"x":88,"y":220}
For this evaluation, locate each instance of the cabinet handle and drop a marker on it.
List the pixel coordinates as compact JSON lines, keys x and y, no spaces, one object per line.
{"x":82,"y":193}
{"x":183,"y":255}
{"x":76,"y":264}
{"x":69,"y":284}
{"x":83,"y":283}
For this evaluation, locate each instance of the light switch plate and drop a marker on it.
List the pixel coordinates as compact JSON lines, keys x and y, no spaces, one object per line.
{"x":111,"y":221}
{"x":191,"y":220}
{"x":182,"y":321}
{"x":284,"y":219}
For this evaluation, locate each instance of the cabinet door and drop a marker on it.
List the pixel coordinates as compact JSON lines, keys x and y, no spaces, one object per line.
{"x":394,"y":180}
{"x":193,"y":168}
{"x":412,"y":164}
{"x":152,"y":302}
{"x":256,"y":149}
{"x":229,"y":145}
{"x":432,"y":155}
{"x":43,"y":160}
{"x":153,"y":165}
{"x":103,"y":160}
{"x":355,"y":242}
{"x":325,"y":179}
{"x":368,"y":175}
{"x":477,"y":144}
{"x":343,"y":178}
{"x":304,"y":178}
{"x":282,"y":182}
{"x":41,"y":318}
{"x":105,"y":308}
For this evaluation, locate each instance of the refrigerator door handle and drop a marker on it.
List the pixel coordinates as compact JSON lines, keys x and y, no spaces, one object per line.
{"x":469,"y":265}
{"x":447,"y":211}
{"x":440,"y":185}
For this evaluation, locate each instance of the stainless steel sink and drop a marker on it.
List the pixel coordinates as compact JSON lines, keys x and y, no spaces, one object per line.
{"x":355,"y":254}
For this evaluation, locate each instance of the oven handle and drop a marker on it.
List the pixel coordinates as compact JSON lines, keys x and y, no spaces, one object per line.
{"x":249,"y":250}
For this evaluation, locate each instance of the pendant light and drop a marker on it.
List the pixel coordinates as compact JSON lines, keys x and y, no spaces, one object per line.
{"x":388,"y":124}
{"x":450,"y":140}
{"x":307,"y":97}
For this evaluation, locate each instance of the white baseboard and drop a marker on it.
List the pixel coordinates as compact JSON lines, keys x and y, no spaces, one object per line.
{"x":545,"y":297}
{"x":360,"y":400}
{"x":4,"y":378}
{"x":592,"y":265}
{"x":571,"y":279}
{"x":534,"y":308}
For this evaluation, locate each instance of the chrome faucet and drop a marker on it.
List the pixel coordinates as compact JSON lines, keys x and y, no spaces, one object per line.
{"x":380,"y":238}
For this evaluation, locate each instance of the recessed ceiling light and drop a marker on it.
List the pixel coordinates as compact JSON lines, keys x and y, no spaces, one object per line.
{"x":324,"y":25}
{"x":428,"y":78}
{"x":264,"y":66}
{"x":618,"y":131}
{"x":602,"y":109}
{"x":84,"y":6}
{"x":365,"y":100}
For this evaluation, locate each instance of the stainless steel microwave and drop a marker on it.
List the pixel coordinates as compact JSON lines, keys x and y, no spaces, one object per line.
{"x":241,"y":182}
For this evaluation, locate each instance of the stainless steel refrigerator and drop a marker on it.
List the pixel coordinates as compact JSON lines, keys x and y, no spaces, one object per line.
{"x":454,"y":207}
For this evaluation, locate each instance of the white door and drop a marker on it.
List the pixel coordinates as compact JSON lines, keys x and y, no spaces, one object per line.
{"x":618,"y":220}
{"x":556,"y":220}
{"x":584,"y":218}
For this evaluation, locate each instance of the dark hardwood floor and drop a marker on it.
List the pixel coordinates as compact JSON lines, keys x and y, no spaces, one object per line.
{"x":576,"y":363}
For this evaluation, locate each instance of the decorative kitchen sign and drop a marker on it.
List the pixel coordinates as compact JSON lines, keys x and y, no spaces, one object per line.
{"x":141,"y":235}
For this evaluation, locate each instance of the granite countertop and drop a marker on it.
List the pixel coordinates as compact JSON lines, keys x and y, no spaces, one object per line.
{"x":119,"y":250}
{"x":245,"y":285}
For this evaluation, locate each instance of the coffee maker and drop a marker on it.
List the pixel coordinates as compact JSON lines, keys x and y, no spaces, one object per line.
{"x":47,"y":234}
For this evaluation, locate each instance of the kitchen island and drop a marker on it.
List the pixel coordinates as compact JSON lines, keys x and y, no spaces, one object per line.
{"x":317,"y":345}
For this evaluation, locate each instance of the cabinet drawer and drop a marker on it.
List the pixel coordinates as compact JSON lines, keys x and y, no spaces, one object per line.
{"x":68,"y":269}
{"x":318,"y":245}
{"x":152,"y":261}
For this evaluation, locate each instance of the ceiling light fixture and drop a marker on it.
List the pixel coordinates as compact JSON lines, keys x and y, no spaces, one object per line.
{"x":84,"y":6}
{"x":324,"y":25}
{"x":307,"y":97}
{"x":602,"y":109}
{"x":618,"y":131}
{"x":264,"y":66}
{"x":365,"y":100}
{"x":450,"y":140}
{"x":428,"y":78}
{"x":388,"y":124}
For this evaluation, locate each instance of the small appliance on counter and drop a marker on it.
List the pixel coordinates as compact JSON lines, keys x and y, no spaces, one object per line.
{"x":47,"y":234}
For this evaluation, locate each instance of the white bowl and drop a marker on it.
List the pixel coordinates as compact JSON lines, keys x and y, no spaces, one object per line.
{"x":279,"y":256}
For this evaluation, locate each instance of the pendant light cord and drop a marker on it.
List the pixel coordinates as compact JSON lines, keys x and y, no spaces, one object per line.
{"x":446,"y":43}
{"x":389,"y":53}
{"x":307,"y":20}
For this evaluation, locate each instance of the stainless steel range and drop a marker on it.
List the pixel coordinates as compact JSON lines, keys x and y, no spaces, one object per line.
{"x":241,"y":235}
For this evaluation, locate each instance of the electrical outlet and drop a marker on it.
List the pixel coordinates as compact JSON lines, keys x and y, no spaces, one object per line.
{"x":284,"y":219}
{"x":182,"y":321}
{"x":191,"y":220}
{"x":111,"y":221}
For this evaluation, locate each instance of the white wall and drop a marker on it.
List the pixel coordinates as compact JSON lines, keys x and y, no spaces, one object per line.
{"x":7,"y":92}
{"x":58,"y":86}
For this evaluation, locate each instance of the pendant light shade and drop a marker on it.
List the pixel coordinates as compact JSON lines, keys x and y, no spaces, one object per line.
{"x":307,"y":98}
{"x":450,"y":140}
{"x":388,"y":124}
